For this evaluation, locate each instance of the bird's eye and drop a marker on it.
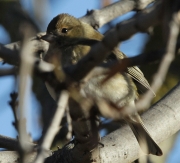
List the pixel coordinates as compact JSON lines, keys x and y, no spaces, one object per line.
{"x":64,"y":30}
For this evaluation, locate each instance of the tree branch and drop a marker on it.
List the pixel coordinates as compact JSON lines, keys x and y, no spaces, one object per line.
{"x":54,"y":126}
{"x":10,"y":71}
{"x":162,"y":120}
{"x":98,"y":18}
{"x":173,"y":24}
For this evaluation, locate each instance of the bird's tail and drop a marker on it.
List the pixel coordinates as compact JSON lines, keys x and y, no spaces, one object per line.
{"x":147,"y":144}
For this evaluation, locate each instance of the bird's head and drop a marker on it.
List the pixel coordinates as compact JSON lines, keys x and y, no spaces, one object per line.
{"x":67,"y":30}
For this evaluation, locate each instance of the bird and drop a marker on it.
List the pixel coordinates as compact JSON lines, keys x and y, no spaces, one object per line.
{"x":71,"y":39}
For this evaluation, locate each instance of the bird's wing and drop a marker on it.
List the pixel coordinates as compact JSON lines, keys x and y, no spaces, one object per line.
{"x":134,"y":71}
{"x":137,"y":75}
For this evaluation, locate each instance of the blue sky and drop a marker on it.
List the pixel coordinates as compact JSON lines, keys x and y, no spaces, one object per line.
{"x":77,"y":8}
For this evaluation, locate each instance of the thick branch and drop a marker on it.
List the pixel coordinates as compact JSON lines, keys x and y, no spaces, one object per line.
{"x":162,"y":121}
{"x":98,"y":18}
{"x":13,"y":157}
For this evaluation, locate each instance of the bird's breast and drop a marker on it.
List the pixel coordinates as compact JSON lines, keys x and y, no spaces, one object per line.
{"x":119,"y":90}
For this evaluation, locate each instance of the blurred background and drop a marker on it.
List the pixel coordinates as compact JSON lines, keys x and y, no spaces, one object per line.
{"x":40,"y":13}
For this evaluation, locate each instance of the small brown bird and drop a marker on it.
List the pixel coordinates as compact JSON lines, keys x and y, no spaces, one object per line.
{"x":70,"y":40}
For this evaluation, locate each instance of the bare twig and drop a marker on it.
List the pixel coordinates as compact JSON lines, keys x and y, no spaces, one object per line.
{"x":54,"y":126}
{"x":10,"y":52}
{"x":69,"y":122}
{"x":159,"y":77}
{"x":26,"y":68}
{"x":8,"y":55}
{"x":98,"y":18}
{"x":10,"y":71}
{"x":14,"y":105}
{"x":11,"y":144}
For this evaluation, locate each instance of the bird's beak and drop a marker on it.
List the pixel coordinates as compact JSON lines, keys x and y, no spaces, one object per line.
{"x":49,"y":38}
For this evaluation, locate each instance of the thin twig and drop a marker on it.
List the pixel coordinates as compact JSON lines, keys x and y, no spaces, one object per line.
{"x":69,"y":122}
{"x":159,"y":77}
{"x":10,"y":71}
{"x":14,"y":104}
{"x":54,"y":126}
{"x":10,"y":52}
{"x":11,"y":144}
{"x":26,"y":68}
{"x":8,"y":55}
